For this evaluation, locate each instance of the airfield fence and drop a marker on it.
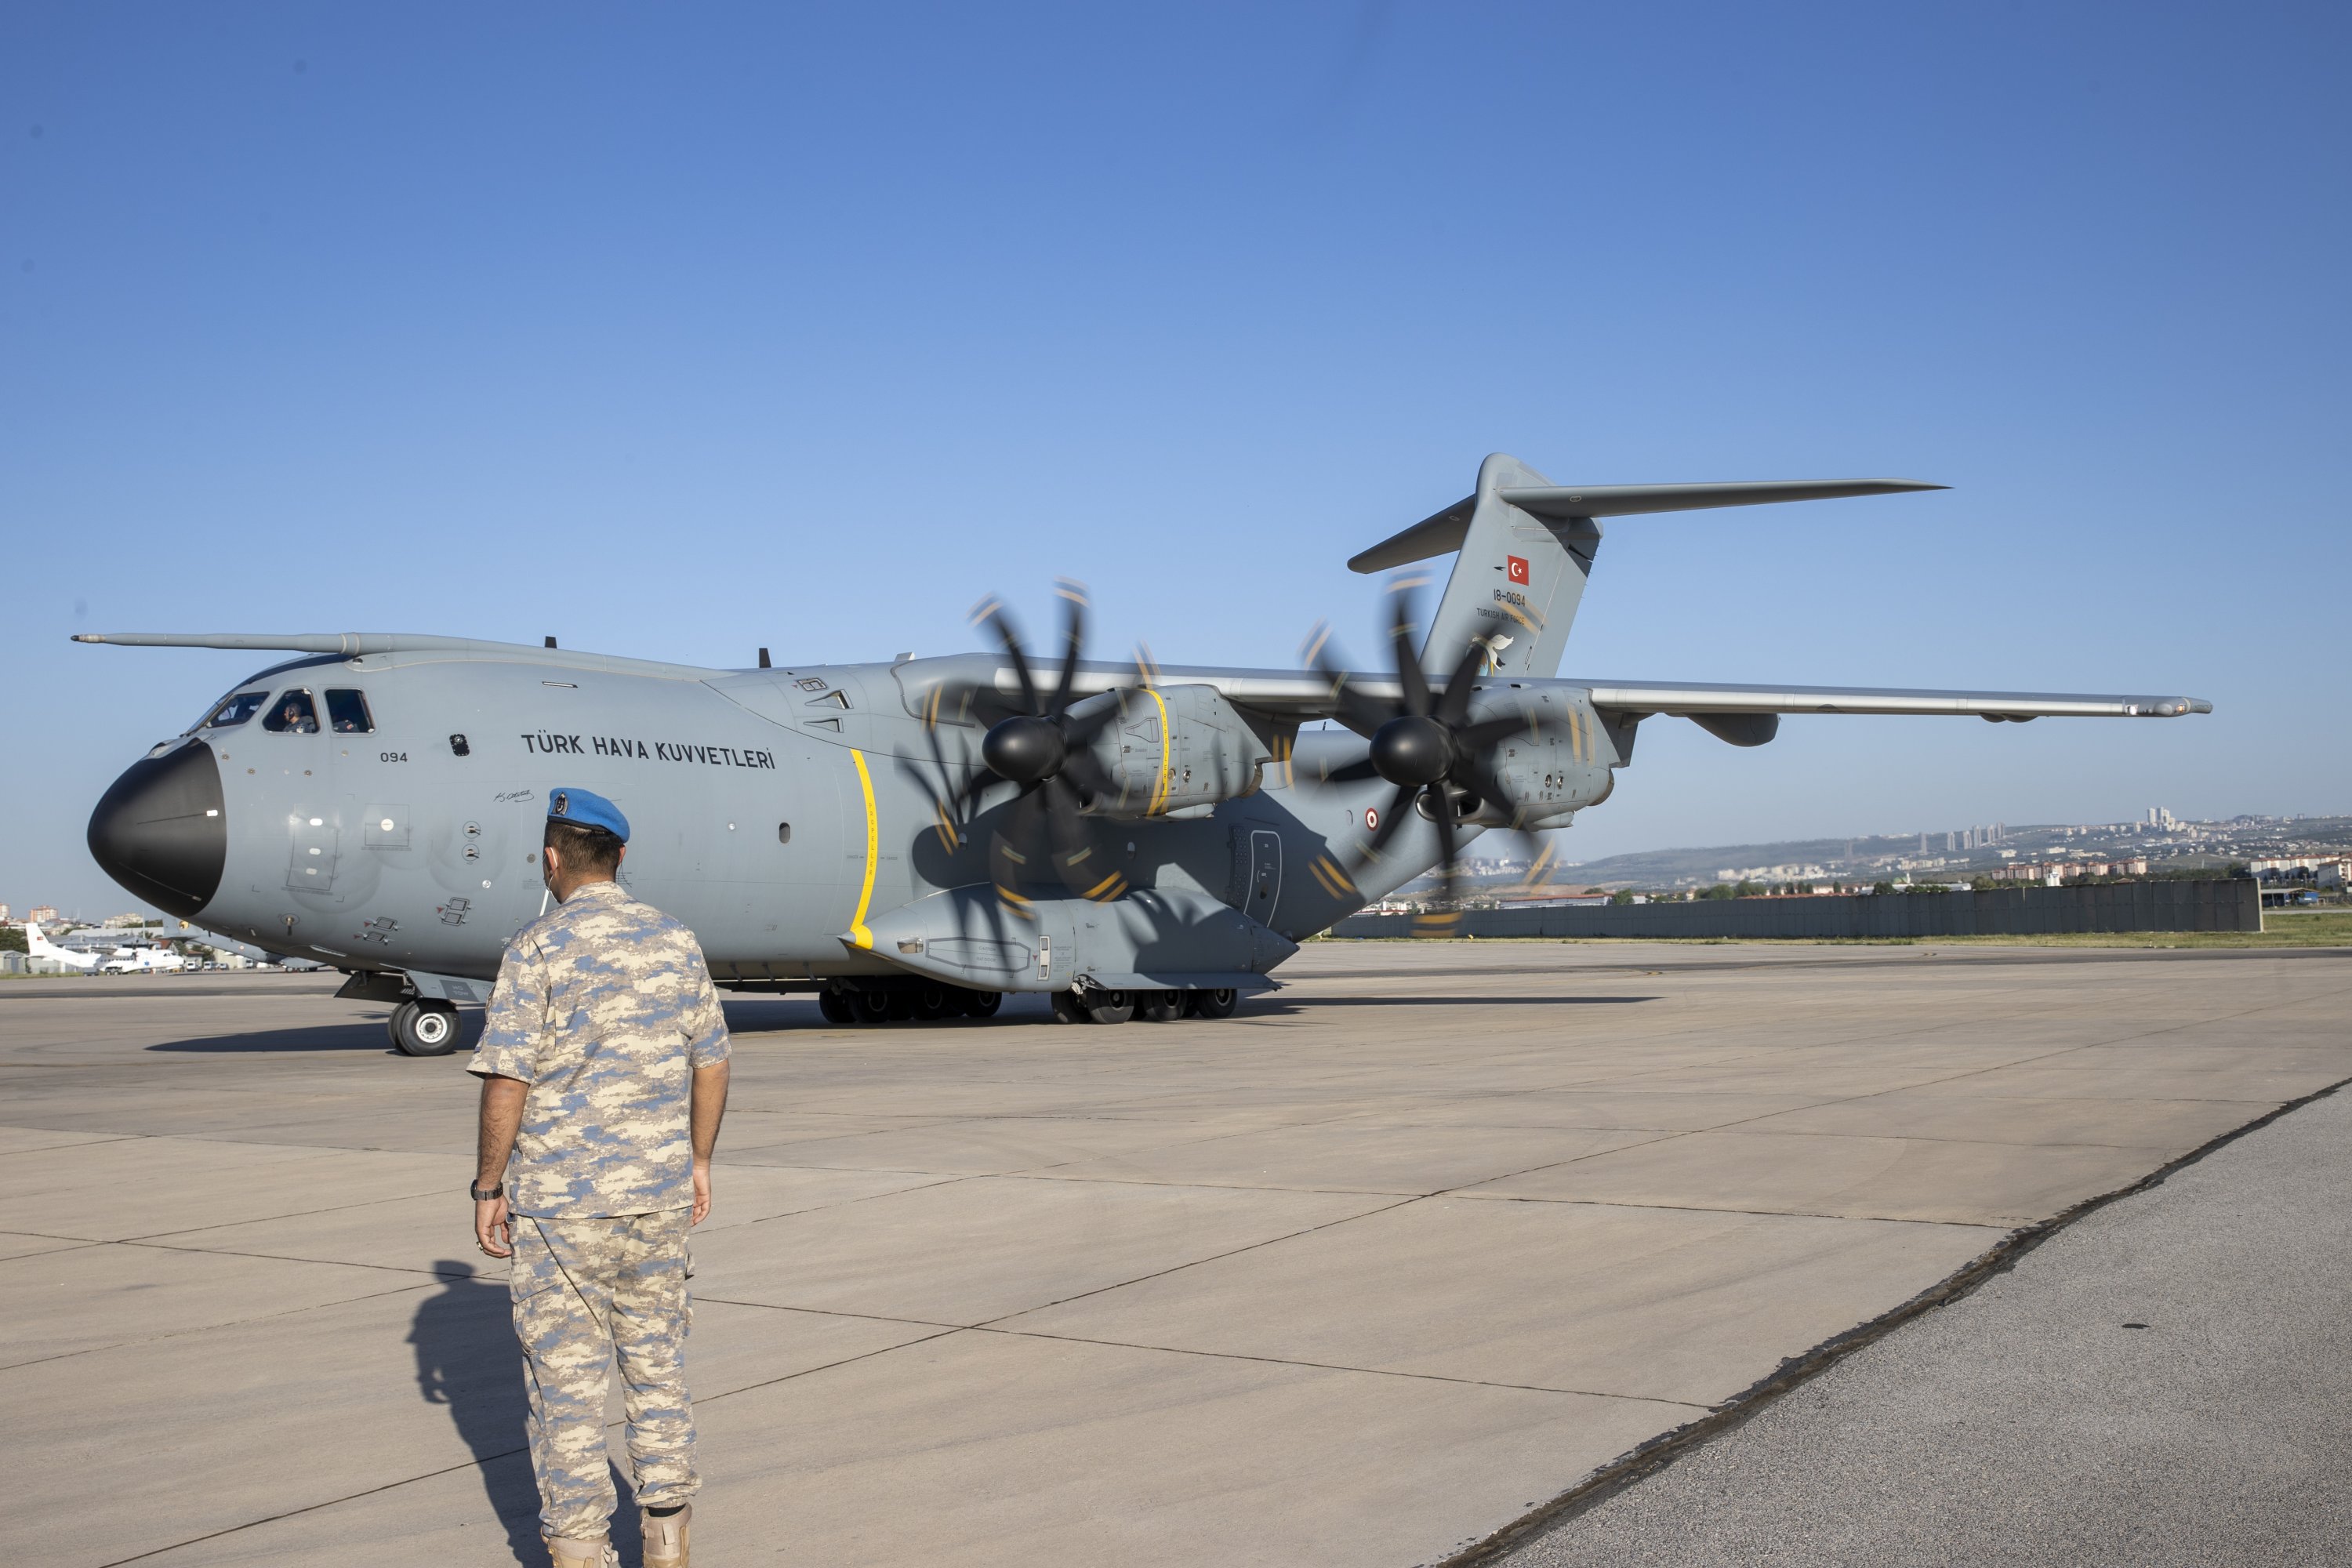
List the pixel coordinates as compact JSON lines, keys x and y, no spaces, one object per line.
{"x":2216,"y":904}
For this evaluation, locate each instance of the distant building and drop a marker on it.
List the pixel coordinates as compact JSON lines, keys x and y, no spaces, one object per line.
{"x":4,"y":915}
{"x":2320,"y":870}
{"x":45,"y":913}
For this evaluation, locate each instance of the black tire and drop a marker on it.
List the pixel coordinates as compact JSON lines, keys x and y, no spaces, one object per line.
{"x":982,"y":1004}
{"x":1159,"y":1007}
{"x":835,"y":1007}
{"x":871,"y":1006}
{"x":1111,"y":1008}
{"x":933,"y":1003}
{"x":1212,"y":1004}
{"x":423,"y":1028}
{"x":1067,"y":1009}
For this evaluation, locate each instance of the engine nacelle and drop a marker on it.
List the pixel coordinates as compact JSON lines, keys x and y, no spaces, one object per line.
{"x":1177,"y":750}
{"x":1556,"y":767}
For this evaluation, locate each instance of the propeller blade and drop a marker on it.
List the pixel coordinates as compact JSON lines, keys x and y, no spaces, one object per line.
{"x":1084,"y":872}
{"x":1369,"y":854}
{"x":1441,"y":922}
{"x":1354,"y":772}
{"x":1011,"y":863}
{"x":992,"y":612}
{"x":1362,"y":714}
{"x":1455,"y":706}
{"x":1410,"y":678}
{"x":1073,"y":635}
{"x":1086,"y":775}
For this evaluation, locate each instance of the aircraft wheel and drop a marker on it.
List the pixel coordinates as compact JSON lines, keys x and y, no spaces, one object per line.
{"x":871,"y":1006}
{"x":1212,"y":1004}
{"x":897,"y":1005}
{"x":835,"y":1007}
{"x":933,"y":1003}
{"x":1116,"y":1007}
{"x":424,"y":1028}
{"x":982,"y":1004}
{"x":1159,"y":1007}
{"x":1067,"y":1008}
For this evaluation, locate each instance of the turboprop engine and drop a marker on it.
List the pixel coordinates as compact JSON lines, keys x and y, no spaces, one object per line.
{"x":1554,"y":763}
{"x":1177,"y":750}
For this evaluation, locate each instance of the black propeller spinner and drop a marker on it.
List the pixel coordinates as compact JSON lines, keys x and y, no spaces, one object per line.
{"x":1041,"y":747}
{"x":1422,"y":744}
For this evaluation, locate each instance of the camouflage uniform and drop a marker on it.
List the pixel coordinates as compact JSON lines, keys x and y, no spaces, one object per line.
{"x":604,"y":1007}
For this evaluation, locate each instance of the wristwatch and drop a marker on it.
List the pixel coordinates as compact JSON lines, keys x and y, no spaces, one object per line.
{"x":483,"y":1195}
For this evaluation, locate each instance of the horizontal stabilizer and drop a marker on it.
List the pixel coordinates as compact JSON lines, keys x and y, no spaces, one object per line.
{"x":1443,"y":533}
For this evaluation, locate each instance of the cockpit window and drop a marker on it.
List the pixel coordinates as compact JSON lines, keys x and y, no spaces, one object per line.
{"x":236,"y":709}
{"x":292,"y":714}
{"x":347,"y":712}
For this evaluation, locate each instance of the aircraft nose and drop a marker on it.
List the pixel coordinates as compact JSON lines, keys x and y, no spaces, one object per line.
{"x":161,"y":831}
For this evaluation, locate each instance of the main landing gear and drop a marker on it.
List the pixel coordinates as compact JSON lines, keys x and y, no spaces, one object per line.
{"x":1150,"y":1006}
{"x":424,"y":1026}
{"x":931,"y":1002}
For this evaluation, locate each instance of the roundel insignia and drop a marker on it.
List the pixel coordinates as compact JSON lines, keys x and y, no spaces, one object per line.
{"x":1371,"y":816}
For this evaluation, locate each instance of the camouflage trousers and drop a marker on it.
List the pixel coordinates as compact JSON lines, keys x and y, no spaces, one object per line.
{"x":588,"y":1294}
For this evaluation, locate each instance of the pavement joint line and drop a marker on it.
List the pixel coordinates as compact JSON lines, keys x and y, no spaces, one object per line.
{"x":945,"y":1181}
{"x":1662,"y":1450}
{"x":160,"y":1236}
{"x":212,"y":1328}
{"x":59,"y":1147}
{"x":1333,"y":1366}
{"x":1195,"y":1262}
{"x":1720,"y":1208}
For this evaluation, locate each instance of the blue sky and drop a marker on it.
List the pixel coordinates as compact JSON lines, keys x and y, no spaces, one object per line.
{"x":678,"y":331}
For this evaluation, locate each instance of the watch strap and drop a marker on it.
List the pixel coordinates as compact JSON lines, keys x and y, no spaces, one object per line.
{"x":483,"y":1195}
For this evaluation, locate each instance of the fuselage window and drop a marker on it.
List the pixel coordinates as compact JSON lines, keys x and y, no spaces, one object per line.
{"x":293,"y":715}
{"x":347,"y":712}
{"x":237,"y":709}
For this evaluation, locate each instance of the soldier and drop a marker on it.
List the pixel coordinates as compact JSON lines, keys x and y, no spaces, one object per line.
{"x":604,"y":1068}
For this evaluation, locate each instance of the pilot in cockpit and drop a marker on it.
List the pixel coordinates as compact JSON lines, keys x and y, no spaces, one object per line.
{"x":296,"y":718}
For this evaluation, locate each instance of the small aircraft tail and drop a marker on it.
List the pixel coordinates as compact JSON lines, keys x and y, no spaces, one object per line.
{"x":37,"y":946}
{"x":1525,"y":548}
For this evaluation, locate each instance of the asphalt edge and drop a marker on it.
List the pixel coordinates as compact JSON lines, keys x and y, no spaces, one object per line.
{"x":1663,"y":1449}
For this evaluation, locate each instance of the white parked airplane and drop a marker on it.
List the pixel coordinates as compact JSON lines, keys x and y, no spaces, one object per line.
{"x":39,"y":946}
{"x":142,"y":961}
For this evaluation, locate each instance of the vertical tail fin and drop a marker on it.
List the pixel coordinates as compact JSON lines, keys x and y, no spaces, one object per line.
{"x":1517,"y":580}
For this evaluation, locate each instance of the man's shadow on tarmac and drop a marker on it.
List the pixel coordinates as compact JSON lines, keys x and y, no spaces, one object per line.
{"x":467,"y":1358}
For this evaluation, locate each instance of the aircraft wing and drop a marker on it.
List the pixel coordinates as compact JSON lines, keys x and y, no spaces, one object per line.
{"x":1302,"y":694}
{"x":1685,"y":699}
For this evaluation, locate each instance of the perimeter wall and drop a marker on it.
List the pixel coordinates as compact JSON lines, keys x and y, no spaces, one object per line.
{"x":2235,"y":904}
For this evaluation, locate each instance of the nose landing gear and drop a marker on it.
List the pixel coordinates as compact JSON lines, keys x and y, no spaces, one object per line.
{"x":424,"y":1026}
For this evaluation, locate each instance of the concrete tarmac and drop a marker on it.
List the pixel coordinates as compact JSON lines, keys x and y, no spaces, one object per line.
{"x":2167,"y":1381}
{"x":1362,"y":1276}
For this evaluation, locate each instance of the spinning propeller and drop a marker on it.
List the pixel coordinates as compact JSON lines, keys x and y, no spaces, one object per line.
{"x":1041,"y":747}
{"x":1423,"y":744}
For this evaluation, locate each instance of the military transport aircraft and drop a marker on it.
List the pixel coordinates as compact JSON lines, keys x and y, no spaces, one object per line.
{"x":914,"y":839}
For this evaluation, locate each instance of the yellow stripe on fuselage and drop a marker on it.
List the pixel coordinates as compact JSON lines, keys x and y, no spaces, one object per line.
{"x":1167,"y":750}
{"x":858,"y":931}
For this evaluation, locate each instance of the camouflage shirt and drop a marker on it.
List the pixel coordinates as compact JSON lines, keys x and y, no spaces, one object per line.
{"x":604,"y":1008}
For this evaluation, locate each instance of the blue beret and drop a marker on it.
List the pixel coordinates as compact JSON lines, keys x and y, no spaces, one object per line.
{"x":587,"y":808}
